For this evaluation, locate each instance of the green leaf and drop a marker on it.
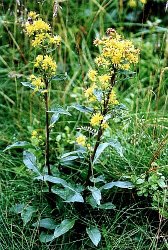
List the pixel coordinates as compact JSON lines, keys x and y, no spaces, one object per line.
{"x":17,"y":208}
{"x":120,"y":184}
{"x":44,"y":238}
{"x":60,"y":77}
{"x":52,"y":179}
{"x":98,"y":94}
{"x":54,"y":118}
{"x":29,"y":159}
{"x":117,"y":146}
{"x":28,"y":84}
{"x":113,"y":143}
{"x":59,"y":110}
{"x":76,"y":197}
{"x":64,"y":227}
{"x":100,"y":178}
{"x":47,"y":223}
{"x":68,"y":195}
{"x":27,"y":213}
{"x":96,"y":194}
{"x":94,"y":234}
{"x":19,"y":144}
{"x":68,"y":158}
{"x":82,"y":108}
{"x":108,"y":205}
{"x":92,"y":202}
{"x":100,"y":150}
{"x":162,"y":183}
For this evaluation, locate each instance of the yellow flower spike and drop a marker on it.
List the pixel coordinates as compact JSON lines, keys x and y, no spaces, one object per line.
{"x":33,"y":15}
{"x":116,"y":51}
{"x":143,"y":1}
{"x":55,"y":40}
{"x":39,"y":38}
{"x":104,"y":125}
{"x":37,"y":82}
{"x":112,"y":99}
{"x":81,"y":140}
{"x":89,"y":91}
{"x":49,"y":65}
{"x":104,"y":80}
{"x":96,"y":119}
{"x":132,"y":3}
{"x":36,"y":27}
{"x":92,"y":75}
{"x":46,"y":63}
{"x":34,"y":134}
{"x":38,"y":61}
{"x":101,"y":61}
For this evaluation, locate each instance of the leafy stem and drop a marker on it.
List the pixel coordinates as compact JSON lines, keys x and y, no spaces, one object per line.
{"x":100,"y":130}
{"x":47,"y":132}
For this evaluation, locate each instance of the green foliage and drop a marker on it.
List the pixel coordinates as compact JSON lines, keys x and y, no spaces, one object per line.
{"x":76,"y":214}
{"x":153,"y":184}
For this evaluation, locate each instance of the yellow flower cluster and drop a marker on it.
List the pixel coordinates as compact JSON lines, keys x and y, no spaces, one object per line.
{"x":81,"y":140}
{"x":117,"y":52}
{"x":46,"y":63}
{"x":92,"y":75}
{"x":113,"y":99}
{"x":36,"y":27}
{"x":34,"y":134}
{"x":45,"y":38}
{"x":33,"y":15}
{"x":104,"y":80}
{"x":133,"y":3}
{"x":37,"y":82}
{"x":96,"y":119}
{"x":41,"y":31}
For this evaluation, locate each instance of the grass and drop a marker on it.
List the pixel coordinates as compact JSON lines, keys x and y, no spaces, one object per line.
{"x":133,"y":225}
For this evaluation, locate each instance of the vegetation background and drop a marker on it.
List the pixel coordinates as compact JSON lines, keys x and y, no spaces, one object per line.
{"x":143,"y":132}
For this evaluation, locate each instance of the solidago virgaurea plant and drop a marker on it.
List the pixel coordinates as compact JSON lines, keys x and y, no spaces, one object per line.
{"x":83,"y":188}
{"x":45,"y":42}
{"x":116,"y":56}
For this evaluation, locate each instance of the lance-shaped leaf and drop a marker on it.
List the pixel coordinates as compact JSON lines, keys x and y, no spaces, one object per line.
{"x":94,"y":234}
{"x":19,"y":144}
{"x":108,"y":205}
{"x":54,"y":118}
{"x":28,"y":84}
{"x":71,"y":156}
{"x":64,"y":227}
{"x":68,"y":195}
{"x":98,"y":94}
{"x":96,"y":194}
{"x":120,"y":184}
{"x":100,"y":178}
{"x":113,"y":143}
{"x":59,"y":110}
{"x":27,"y":213}
{"x":60,"y":77}
{"x":52,"y":179}
{"x":117,"y":146}
{"x":47,"y":223}
{"x":17,"y":208}
{"x":82,"y":108}
{"x":100,"y":150}
{"x":45,"y":238}
{"x":29,"y":160}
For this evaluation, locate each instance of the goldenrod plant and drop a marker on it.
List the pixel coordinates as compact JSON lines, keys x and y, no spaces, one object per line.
{"x":45,"y":66}
{"x":94,"y":144}
{"x":115,"y":58}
